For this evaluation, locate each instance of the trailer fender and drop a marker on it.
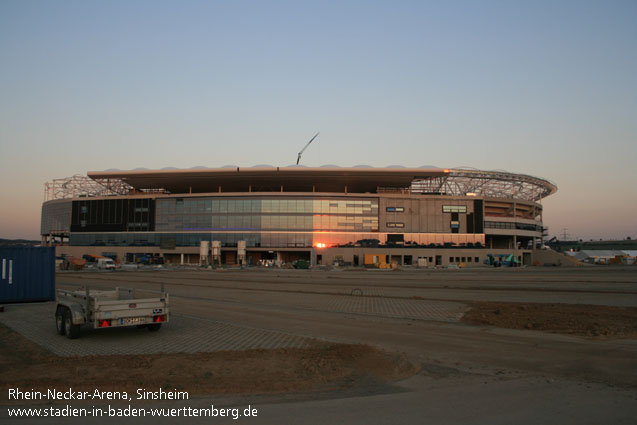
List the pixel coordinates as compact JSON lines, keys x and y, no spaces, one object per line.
{"x":77,"y":313}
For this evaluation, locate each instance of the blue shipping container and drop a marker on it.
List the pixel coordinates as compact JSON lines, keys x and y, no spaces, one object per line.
{"x":27,"y":274}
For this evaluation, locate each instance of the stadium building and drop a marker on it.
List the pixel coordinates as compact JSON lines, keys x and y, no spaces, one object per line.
{"x":324,"y":214}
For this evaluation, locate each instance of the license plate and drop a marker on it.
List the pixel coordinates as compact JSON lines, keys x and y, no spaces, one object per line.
{"x":133,"y":320}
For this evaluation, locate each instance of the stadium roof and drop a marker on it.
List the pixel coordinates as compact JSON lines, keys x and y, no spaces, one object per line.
{"x":331,"y":179}
{"x":293,"y":179}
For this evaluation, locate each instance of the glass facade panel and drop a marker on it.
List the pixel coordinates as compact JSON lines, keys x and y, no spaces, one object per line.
{"x":509,"y":225}
{"x":301,"y":221}
{"x":301,"y":214}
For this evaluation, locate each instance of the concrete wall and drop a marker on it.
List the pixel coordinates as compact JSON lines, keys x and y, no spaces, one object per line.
{"x":422,"y":214}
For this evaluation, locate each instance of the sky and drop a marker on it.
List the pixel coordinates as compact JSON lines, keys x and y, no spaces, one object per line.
{"x":546,"y":88}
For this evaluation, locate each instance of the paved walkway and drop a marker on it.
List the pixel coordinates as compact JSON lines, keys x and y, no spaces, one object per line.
{"x":183,"y":334}
{"x":440,"y":311}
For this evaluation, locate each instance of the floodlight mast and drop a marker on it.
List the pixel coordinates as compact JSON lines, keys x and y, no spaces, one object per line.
{"x":303,"y":150}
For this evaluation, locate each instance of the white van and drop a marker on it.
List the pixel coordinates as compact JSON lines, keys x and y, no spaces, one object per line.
{"x":105,"y":263}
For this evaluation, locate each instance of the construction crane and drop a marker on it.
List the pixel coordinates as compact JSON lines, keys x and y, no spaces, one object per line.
{"x":303,"y":150}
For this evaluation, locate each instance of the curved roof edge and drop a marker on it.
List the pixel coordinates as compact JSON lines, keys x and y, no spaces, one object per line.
{"x":457,"y":181}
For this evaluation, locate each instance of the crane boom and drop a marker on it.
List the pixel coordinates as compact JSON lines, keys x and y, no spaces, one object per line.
{"x":303,"y":150}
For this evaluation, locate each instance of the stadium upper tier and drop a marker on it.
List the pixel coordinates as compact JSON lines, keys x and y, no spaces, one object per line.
{"x":326,"y":179}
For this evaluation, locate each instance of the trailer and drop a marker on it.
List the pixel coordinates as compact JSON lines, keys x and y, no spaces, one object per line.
{"x":108,"y":309}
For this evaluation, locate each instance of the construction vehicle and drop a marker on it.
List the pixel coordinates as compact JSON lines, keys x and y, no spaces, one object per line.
{"x":148,"y":259}
{"x":72,"y":263}
{"x":91,"y":258}
{"x":510,"y":261}
{"x":108,"y":309}
{"x":301,"y":264}
{"x":298,"y":158}
{"x":502,"y":260}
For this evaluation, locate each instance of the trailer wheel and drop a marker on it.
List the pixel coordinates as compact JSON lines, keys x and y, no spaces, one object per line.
{"x":154,"y":327}
{"x":59,"y":321}
{"x":72,"y":331}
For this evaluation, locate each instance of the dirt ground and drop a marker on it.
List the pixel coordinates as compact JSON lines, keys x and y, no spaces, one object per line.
{"x":322,"y":367}
{"x":572,"y":319}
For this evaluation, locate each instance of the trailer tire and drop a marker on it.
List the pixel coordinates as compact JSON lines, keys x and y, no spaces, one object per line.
{"x":154,"y":327}
{"x":72,"y":331}
{"x":59,"y":320}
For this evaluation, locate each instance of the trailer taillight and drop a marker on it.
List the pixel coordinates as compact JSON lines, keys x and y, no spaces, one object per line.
{"x":159,"y":319}
{"x":105,"y":323}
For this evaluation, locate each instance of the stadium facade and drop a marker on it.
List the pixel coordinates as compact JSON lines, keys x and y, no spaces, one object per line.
{"x":322,"y":214}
